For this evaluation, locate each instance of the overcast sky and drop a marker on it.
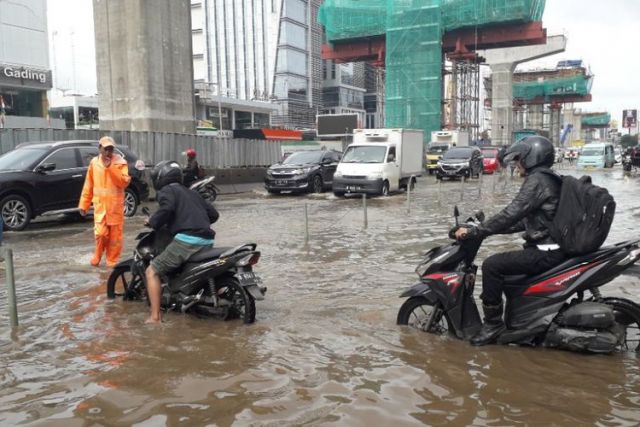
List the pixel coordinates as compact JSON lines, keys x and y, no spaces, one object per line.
{"x":604,"y":34}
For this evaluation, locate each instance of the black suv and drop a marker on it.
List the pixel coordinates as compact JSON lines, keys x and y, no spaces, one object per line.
{"x":303,"y":171}
{"x":41,"y":177}
{"x":464,"y":162}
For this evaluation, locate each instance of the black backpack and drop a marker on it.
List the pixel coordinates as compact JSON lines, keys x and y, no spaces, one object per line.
{"x":584,"y":216}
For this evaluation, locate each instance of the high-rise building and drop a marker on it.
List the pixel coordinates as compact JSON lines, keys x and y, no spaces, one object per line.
{"x":25,"y":75}
{"x":257,"y":62}
{"x":344,"y":89}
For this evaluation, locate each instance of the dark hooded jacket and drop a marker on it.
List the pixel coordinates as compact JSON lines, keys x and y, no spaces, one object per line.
{"x":530,"y":211}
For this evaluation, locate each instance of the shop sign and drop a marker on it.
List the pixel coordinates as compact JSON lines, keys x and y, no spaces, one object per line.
{"x":16,"y":76}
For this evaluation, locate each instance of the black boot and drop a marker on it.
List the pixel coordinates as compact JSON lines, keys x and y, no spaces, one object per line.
{"x":492,"y":327}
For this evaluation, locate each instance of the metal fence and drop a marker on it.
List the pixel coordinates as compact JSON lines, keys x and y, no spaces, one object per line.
{"x":153,"y":147}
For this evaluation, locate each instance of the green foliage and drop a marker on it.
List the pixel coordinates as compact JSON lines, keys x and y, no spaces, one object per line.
{"x":629,"y":140}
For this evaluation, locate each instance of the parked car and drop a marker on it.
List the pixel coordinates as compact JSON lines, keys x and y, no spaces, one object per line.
{"x":435,"y":151}
{"x":490,"y":161}
{"x":45,"y":177}
{"x":303,"y":171}
{"x":464,"y":162}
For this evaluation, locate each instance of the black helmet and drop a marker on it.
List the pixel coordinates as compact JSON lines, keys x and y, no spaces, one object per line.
{"x":532,"y":151}
{"x":166,"y":172}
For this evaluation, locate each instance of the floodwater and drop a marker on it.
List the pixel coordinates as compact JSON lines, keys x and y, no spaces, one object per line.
{"x":325,"y":349}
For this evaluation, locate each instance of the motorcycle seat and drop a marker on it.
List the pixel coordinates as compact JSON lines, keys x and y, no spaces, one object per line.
{"x":523,"y":279}
{"x":206,"y":254}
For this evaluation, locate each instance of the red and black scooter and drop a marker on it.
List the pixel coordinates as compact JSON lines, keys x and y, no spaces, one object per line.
{"x":560,"y":308}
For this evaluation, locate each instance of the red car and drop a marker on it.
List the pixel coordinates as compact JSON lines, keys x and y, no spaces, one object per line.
{"x":490,"y":161}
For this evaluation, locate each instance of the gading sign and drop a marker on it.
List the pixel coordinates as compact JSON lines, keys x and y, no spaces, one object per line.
{"x":24,"y":77}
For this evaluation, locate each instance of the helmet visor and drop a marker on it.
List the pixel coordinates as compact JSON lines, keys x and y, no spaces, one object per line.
{"x":516,"y":152}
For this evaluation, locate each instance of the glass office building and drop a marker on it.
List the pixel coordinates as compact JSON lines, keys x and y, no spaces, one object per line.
{"x":258,"y":57}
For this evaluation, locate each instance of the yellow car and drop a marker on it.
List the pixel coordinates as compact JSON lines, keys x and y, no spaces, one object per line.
{"x":435,"y":151}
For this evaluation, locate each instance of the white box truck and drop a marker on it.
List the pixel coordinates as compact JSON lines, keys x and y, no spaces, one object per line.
{"x":379,"y":161}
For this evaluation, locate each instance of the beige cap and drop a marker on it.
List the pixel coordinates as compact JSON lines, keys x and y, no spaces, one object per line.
{"x":107,"y":141}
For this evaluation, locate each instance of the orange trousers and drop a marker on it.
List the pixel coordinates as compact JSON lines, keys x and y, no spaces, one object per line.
{"x":109,"y":239}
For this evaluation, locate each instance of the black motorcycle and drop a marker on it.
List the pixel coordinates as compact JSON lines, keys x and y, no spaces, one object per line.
{"x":217,"y":282}
{"x":206,"y":188}
{"x":560,"y":308}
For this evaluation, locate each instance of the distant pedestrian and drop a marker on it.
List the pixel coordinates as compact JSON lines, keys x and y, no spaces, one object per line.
{"x":107,"y":177}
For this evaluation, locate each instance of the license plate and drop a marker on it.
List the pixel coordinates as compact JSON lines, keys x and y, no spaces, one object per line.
{"x":451,"y":172}
{"x":281,"y":182}
{"x":247,"y":278}
{"x":352,"y":188}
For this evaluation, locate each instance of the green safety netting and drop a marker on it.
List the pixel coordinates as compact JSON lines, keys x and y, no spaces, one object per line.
{"x":596,"y":120}
{"x":414,"y":30}
{"x":577,"y":85}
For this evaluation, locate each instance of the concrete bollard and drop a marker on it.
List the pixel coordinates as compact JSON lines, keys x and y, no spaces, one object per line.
{"x":462,"y":188}
{"x":439,"y":191}
{"x":364,"y":207}
{"x":11,"y":288}
{"x":480,"y":184}
{"x":306,"y":225}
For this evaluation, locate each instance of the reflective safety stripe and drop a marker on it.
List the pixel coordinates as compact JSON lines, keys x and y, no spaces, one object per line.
{"x":102,"y":192}
{"x":550,"y":247}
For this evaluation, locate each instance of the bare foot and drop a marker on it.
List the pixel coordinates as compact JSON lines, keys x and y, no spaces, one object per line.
{"x":152,"y":321}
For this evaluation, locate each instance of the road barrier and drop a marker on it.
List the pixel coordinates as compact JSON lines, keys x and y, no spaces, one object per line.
{"x":153,"y":147}
{"x":11,"y":288}
{"x":364,"y":208}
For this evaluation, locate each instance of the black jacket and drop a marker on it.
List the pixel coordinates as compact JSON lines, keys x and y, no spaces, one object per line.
{"x":184,"y":211}
{"x":530,"y":211}
{"x":191,"y":172}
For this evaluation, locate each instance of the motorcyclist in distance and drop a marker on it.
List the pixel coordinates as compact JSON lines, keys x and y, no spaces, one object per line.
{"x":192,"y":170}
{"x":188,"y":218}
{"x":533,"y":207}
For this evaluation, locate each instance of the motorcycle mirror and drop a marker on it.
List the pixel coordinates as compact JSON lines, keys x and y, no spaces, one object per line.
{"x":480,"y":216}
{"x":456,"y":213}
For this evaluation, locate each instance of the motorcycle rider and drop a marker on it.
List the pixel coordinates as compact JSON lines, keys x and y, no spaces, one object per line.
{"x":192,"y":170}
{"x":533,"y":207}
{"x":187,"y":216}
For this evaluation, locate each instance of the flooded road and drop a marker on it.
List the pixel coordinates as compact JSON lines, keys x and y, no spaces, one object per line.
{"x":325,"y":349}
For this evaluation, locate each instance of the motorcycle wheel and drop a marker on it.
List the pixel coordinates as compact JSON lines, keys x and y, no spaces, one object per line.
{"x":242,"y":305}
{"x":212,"y":194}
{"x":416,"y":312}
{"x":627,"y":313}
{"x":122,"y":283}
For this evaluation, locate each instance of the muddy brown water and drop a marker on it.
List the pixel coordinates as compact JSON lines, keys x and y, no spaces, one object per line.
{"x":325,"y":349}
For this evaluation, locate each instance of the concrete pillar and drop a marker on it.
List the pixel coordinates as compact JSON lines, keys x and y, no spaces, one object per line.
{"x":145,"y":65}
{"x":503,"y":62}
{"x":502,"y":103}
{"x":555,"y":124}
{"x":535,"y":117}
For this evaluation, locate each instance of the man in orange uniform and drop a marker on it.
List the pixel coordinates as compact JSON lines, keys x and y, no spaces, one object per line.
{"x":107,"y":177}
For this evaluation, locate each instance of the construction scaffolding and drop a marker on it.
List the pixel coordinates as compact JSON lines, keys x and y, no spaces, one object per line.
{"x":413,"y":55}
{"x":463,"y":97}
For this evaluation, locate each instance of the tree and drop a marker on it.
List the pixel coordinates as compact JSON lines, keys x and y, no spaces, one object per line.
{"x":629,"y":140}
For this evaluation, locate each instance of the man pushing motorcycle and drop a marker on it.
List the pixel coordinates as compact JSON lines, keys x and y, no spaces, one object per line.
{"x":530,"y":211}
{"x":187,"y":216}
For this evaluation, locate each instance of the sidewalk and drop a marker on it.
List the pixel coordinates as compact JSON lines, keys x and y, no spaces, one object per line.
{"x":245,"y":187}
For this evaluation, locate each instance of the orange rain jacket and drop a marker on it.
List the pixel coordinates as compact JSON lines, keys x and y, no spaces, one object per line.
{"x":105,"y":188}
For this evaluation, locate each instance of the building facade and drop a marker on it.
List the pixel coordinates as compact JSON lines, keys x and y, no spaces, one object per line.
{"x":25,"y":75}
{"x":257,"y":62}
